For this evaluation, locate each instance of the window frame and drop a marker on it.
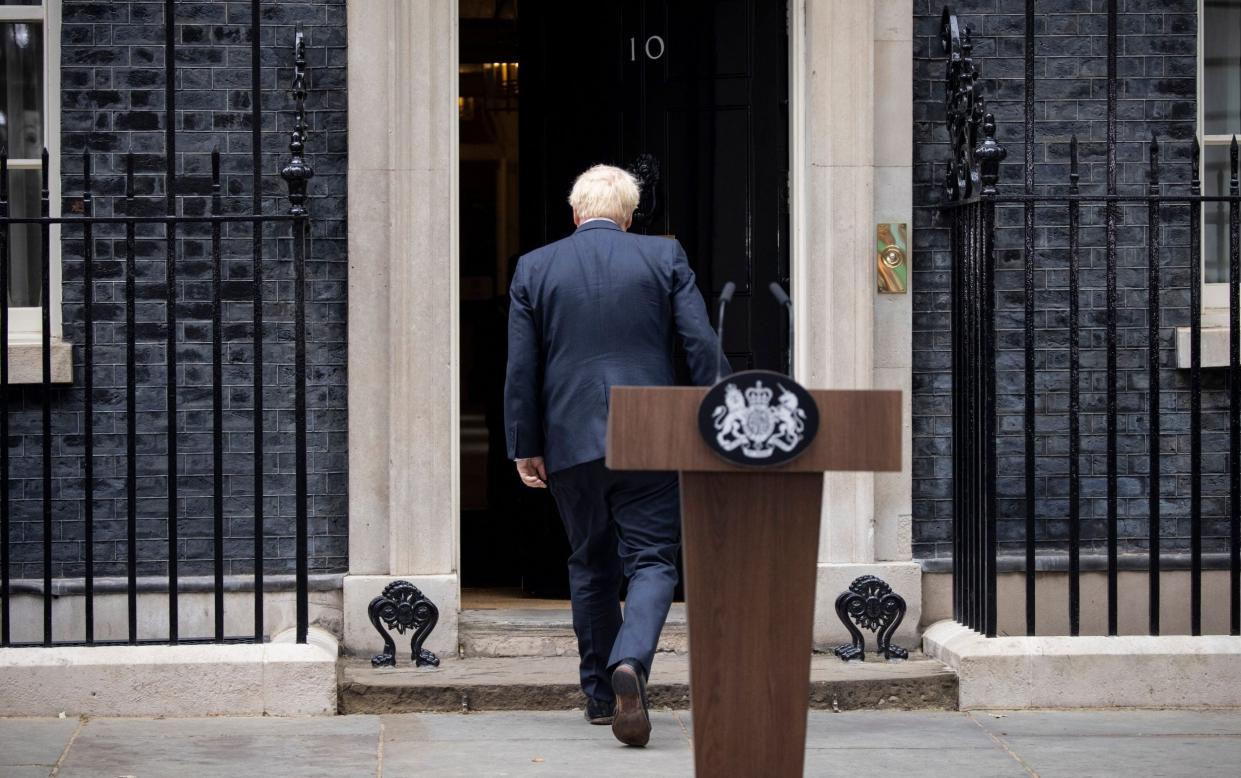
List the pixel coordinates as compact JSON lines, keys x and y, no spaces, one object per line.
{"x":25,"y":323}
{"x":1215,"y":304}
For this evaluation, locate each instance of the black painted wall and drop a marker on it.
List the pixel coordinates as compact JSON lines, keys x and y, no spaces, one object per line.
{"x":1157,"y":92}
{"x":113,"y":102}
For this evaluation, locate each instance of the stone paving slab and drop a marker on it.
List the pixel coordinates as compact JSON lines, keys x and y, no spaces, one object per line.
{"x":900,"y":730}
{"x":33,"y":746}
{"x":550,"y":683}
{"x":519,"y":744}
{"x":501,"y":726}
{"x":1160,"y":756}
{"x":928,"y":744}
{"x":321,"y":747}
{"x":878,"y":760}
{"x":1055,"y":723}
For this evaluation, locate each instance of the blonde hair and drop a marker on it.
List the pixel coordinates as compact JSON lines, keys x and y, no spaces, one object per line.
{"x":605,"y":191}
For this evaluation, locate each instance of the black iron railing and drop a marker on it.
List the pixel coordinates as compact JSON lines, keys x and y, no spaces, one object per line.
{"x":974,"y":202}
{"x":140,"y":218}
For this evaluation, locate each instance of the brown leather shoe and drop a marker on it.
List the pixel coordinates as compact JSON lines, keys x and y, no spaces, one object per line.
{"x":631,"y":723}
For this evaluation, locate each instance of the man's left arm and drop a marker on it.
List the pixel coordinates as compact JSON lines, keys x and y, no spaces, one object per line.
{"x":693,"y":324}
{"x":523,"y":418}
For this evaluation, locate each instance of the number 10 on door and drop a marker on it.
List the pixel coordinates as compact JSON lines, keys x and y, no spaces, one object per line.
{"x":653,"y":48}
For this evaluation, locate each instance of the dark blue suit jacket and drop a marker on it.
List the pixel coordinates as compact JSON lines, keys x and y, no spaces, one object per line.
{"x":597,"y":309}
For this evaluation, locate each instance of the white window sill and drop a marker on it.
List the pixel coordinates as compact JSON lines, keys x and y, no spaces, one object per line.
{"x":26,"y":362}
{"x":1214,"y":347}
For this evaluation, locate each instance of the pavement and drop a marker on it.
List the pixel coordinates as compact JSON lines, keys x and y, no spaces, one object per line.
{"x":992,"y":744}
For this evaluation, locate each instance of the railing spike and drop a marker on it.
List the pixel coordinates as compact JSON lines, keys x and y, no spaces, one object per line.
{"x":1154,"y":164}
{"x":1074,"y":175}
{"x":1232,"y":158}
{"x":1195,"y":176}
{"x":129,"y":175}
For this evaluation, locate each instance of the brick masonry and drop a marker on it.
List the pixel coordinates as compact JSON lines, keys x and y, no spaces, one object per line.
{"x":1157,"y":68}
{"x":112,"y":103}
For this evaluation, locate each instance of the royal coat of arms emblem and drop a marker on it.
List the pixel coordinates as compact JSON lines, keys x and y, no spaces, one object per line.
{"x":758,"y":418}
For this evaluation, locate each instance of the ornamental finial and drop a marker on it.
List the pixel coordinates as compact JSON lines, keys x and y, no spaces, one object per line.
{"x":989,"y":155}
{"x":298,"y":172}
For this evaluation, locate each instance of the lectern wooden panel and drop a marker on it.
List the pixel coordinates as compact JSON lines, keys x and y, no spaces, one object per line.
{"x":656,"y":428}
{"x":751,"y":540}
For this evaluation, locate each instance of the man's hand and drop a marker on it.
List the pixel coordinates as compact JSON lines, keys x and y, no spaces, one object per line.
{"x":532,"y":472}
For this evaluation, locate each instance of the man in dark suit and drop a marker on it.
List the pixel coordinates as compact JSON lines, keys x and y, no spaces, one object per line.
{"x":598,"y":309}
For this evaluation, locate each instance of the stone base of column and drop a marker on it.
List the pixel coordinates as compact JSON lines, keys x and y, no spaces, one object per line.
{"x":905,"y":578}
{"x":361,"y":639}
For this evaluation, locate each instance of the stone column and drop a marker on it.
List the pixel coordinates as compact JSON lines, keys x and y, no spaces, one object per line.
{"x":851,"y":65}
{"x":403,"y":407}
{"x":893,"y":313}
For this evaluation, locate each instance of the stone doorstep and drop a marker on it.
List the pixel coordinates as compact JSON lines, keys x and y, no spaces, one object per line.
{"x":549,"y":683}
{"x":543,"y":632}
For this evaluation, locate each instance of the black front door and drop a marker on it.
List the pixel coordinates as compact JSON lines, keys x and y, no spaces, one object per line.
{"x":702,"y":88}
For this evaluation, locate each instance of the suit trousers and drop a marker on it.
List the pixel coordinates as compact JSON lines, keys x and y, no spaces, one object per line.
{"x":620,"y":525}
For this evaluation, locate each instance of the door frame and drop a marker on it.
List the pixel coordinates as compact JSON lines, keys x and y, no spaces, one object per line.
{"x":799,"y":288}
{"x":403,"y":337}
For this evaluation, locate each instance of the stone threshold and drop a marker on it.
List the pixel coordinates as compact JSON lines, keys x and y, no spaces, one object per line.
{"x":550,"y":683}
{"x":543,"y":632}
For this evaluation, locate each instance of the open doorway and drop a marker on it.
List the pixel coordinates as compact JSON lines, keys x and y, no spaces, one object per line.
{"x":690,"y":95}
{"x":511,"y":539}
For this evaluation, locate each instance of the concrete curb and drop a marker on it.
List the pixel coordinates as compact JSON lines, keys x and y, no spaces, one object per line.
{"x":1129,"y":671}
{"x":281,"y":678}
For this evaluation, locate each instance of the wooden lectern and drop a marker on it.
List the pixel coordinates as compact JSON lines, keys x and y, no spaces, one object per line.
{"x":751,"y":544}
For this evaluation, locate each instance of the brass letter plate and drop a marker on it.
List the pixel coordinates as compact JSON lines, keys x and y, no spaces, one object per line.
{"x":892,"y":248}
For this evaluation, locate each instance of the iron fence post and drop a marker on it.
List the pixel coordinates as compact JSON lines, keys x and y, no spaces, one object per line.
{"x":297,"y":175}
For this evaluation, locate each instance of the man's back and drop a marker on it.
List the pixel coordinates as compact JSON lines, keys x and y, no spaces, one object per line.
{"x":598,"y":309}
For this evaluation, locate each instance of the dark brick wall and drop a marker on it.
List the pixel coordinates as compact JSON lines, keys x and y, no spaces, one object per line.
{"x":113,"y":102}
{"x":1157,"y":86}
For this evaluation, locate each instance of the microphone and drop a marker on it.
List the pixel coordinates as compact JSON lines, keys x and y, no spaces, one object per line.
{"x":726,"y":296}
{"x":782,"y":298}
